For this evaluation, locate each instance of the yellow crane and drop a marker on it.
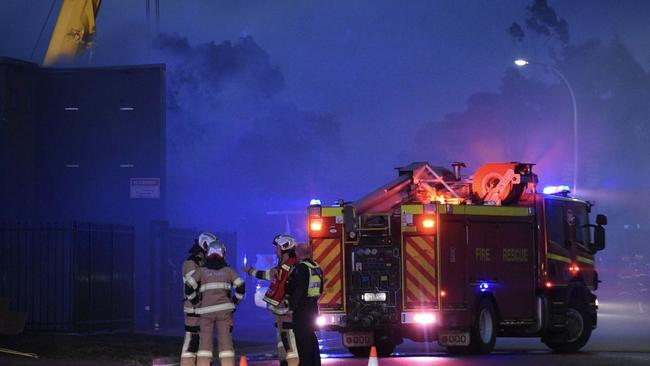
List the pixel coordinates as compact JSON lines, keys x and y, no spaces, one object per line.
{"x":74,"y":31}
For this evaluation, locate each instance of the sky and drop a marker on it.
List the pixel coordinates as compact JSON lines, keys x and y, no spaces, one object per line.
{"x":374,"y":64}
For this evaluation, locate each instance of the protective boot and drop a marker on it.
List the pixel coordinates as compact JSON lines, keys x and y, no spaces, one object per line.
{"x":227,"y":361}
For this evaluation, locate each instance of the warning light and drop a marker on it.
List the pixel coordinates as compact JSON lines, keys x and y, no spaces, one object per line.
{"x":484,"y":286}
{"x":574,"y":268}
{"x":428,"y":223}
{"x":424,"y":318}
{"x":314,"y":202}
{"x":556,"y":190}
{"x":443,"y":293}
{"x":316,"y":224}
{"x":549,"y":284}
{"x":320,"y":321}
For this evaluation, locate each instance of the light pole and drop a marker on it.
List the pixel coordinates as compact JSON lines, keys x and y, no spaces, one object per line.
{"x":522,"y":63}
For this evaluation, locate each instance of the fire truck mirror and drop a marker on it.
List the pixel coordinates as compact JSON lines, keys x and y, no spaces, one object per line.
{"x":349,"y":222}
{"x":601,"y":220}
{"x":599,"y":238}
{"x":348,"y":218}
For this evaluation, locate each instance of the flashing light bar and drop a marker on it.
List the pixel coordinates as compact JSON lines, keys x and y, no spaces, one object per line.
{"x":374,"y":296}
{"x":556,"y":189}
{"x":314,"y":202}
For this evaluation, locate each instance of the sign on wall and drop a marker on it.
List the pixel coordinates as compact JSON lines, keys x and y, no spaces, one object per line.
{"x":145,"y":188}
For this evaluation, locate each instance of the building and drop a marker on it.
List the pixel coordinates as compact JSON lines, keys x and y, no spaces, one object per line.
{"x":84,"y":144}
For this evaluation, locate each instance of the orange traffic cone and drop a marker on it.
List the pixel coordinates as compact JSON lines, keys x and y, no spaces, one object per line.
{"x":372,"y":361}
{"x":243,"y":361}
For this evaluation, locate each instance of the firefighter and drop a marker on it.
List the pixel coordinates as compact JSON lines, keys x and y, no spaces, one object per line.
{"x":303,"y":288}
{"x":191,"y":298}
{"x":275,"y":297}
{"x":216,"y":307}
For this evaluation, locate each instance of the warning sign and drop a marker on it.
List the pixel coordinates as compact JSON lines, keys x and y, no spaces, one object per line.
{"x":145,"y":188}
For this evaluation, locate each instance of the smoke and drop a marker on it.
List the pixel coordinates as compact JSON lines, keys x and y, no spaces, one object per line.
{"x":236,"y":149}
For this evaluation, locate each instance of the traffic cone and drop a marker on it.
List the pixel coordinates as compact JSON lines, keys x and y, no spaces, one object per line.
{"x":372,"y":361}
{"x":243,"y":361}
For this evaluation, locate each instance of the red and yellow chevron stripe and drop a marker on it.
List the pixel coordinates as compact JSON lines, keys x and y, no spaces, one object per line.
{"x":419,"y":269}
{"x":327,"y":253}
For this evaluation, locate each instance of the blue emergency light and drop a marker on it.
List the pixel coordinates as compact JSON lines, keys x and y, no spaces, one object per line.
{"x":556,"y":190}
{"x":483,"y":286}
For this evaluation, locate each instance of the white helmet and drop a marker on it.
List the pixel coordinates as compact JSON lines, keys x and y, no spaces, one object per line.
{"x":216,"y":248}
{"x":205,"y":239}
{"x":285,"y":242}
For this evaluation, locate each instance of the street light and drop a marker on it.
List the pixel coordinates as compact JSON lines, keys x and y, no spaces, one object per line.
{"x":521,"y":62}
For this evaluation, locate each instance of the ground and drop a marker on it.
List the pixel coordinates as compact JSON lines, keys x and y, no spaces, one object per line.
{"x":622,"y":337}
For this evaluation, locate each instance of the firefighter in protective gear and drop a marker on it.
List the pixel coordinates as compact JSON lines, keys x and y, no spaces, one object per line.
{"x":276,"y":299}
{"x":191,"y":298}
{"x":216,"y":280}
{"x":304,"y":287}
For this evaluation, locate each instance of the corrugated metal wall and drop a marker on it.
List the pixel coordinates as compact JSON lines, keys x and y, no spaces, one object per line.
{"x":68,"y":277}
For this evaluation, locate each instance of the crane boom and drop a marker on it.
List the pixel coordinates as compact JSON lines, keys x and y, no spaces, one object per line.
{"x":74,"y":30}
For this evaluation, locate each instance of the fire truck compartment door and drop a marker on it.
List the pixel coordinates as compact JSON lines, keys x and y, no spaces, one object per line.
{"x":420,"y":288}
{"x":328,"y":252}
{"x":453,"y":252}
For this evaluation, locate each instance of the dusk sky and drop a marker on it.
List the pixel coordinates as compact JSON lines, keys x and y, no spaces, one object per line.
{"x":380,"y":65}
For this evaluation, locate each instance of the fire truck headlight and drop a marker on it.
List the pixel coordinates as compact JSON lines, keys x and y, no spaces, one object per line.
{"x":371,"y":296}
{"x":320,"y":321}
{"x":424,"y":318}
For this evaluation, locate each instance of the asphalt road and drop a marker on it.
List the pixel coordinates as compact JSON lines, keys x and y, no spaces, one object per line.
{"x":622,"y":338}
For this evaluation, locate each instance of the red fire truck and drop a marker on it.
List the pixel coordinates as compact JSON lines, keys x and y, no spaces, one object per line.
{"x":436,"y":256}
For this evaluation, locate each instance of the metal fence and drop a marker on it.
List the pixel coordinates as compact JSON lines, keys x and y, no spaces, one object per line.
{"x":74,"y":277}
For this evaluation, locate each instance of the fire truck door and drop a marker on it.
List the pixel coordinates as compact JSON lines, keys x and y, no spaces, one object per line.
{"x":516,"y":260}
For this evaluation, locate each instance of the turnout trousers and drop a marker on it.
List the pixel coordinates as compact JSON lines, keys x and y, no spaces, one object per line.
{"x":191,"y":341}
{"x":287,"y":350}
{"x":222,"y":320}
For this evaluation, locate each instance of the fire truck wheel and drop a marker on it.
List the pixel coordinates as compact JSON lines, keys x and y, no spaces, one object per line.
{"x":484,"y":334}
{"x":359,"y":351}
{"x":578,"y":329}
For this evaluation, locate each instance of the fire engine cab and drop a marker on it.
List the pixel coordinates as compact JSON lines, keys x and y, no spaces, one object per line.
{"x":434,"y":256}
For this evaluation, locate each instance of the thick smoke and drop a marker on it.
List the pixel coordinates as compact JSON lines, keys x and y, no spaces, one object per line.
{"x":235,"y":148}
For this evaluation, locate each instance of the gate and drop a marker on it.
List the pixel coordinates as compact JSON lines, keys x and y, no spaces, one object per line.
{"x":74,"y":277}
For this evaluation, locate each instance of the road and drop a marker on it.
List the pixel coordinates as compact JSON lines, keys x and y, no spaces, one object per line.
{"x":622,"y":338}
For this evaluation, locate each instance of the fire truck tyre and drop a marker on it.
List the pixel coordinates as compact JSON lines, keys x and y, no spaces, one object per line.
{"x":359,"y":351}
{"x":484,"y":333}
{"x":578,"y":329}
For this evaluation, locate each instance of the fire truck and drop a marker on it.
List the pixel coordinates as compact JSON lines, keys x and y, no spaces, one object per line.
{"x":435,"y":256}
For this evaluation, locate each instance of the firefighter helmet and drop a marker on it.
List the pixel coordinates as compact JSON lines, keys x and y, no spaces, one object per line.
{"x":216,"y":247}
{"x":285,"y":242}
{"x":205,"y":239}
